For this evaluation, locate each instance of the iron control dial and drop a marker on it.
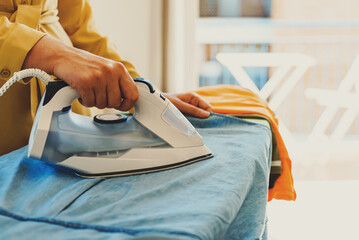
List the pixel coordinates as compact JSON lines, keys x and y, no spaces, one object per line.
{"x":109,"y":118}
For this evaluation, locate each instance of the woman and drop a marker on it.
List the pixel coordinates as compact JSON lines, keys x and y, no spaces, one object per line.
{"x":60,"y":37}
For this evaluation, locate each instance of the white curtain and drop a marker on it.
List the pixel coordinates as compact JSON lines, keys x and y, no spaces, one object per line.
{"x":157,"y":36}
{"x":180,"y":51}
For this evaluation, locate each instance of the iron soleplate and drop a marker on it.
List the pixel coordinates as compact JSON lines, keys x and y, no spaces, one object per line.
{"x":145,"y":170}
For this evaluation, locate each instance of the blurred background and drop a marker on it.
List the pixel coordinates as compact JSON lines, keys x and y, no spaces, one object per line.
{"x":308,"y":73}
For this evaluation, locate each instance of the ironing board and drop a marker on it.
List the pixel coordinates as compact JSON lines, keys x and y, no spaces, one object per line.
{"x":220,"y":198}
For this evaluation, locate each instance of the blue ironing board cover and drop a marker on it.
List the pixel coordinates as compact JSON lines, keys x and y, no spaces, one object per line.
{"x":220,"y":198}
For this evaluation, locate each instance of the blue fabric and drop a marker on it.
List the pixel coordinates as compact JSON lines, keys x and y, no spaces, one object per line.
{"x":220,"y":198}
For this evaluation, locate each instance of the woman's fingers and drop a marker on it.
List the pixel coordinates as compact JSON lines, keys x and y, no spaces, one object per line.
{"x":195,"y":100}
{"x":192,"y":110}
{"x":128,"y":89}
{"x":186,"y":103}
{"x":198,"y":101}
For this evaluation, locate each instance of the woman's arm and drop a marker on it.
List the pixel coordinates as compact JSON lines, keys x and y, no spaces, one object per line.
{"x":101,"y":82}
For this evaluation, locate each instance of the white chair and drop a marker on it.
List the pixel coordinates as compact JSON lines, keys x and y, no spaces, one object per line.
{"x":346,"y":97}
{"x":291,"y":66}
{"x":290,"y":69}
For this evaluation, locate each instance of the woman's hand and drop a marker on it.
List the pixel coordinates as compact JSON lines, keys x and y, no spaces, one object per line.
{"x":190,"y":103}
{"x":101,"y":82}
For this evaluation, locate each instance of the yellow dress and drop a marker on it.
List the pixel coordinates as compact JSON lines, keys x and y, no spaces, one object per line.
{"x":22,"y":24}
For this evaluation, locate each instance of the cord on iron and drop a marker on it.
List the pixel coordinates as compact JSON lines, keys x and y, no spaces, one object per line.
{"x":31,"y":72}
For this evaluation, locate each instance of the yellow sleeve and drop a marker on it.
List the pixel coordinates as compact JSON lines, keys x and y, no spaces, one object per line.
{"x":77,"y":20}
{"x":16,"y":40}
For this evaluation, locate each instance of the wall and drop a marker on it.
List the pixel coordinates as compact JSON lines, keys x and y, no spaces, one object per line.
{"x":136,"y":28}
{"x":315,"y":9}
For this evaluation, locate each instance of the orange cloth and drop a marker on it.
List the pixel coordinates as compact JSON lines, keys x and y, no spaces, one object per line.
{"x":238,"y":101}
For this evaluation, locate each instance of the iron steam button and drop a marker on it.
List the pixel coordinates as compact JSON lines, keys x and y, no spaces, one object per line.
{"x":110,"y":118}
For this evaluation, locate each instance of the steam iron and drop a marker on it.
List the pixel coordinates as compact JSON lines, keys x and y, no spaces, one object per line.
{"x":156,"y":137}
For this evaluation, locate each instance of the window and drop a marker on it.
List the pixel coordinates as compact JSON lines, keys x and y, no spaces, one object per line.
{"x":212,"y":72}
